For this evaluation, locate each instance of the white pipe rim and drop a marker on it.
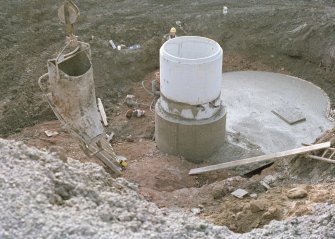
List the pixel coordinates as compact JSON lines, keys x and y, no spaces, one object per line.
{"x":214,"y":49}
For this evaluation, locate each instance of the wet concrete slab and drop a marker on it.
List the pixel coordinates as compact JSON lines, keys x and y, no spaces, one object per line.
{"x":251,"y":97}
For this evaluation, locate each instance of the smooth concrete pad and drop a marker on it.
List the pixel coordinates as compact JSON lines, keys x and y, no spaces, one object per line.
{"x":250,"y":96}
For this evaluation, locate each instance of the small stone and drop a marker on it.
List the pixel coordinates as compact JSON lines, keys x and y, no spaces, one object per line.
{"x":253,"y":195}
{"x":195,"y":210}
{"x":257,"y":206}
{"x":269,"y":179}
{"x":264,"y":184}
{"x":130,"y":138}
{"x":297,"y":193}
{"x":218,"y":192}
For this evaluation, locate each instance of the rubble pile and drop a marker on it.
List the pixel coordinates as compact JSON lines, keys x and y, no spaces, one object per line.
{"x":42,"y":196}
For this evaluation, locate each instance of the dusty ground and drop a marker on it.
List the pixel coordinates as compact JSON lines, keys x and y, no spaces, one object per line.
{"x":164,"y":179}
{"x":294,"y":37}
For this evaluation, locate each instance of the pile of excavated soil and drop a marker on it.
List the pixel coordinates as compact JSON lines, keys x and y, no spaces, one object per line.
{"x":42,"y":196}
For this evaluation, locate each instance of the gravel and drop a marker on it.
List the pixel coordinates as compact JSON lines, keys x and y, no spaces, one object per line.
{"x":42,"y":196}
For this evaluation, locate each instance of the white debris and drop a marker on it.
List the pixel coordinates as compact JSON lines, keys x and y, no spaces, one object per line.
{"x":225,"y":10}
{"x":195,"y":210}
{"x":102,"y":112}
{"x":139,"y":113}
{"x":264,"y":184}
{"x":298,"y":28}
{"x":239,"y":193}
{"x":110,"y":137}
{"x":131,"y":101}
{"x":112,"y":44}
{"x":253,"y":195}
{"x":50,"y":133}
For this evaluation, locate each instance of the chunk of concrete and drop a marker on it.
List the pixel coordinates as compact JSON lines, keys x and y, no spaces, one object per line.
{"x":239,"y":193}
{"x":297,"y":193}
{"x":289,"y":114}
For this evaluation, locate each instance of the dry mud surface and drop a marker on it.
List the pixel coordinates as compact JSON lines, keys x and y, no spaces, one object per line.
{"x":295,"y":37}
{"x":45,"y":197}
{"x":164,"y":179}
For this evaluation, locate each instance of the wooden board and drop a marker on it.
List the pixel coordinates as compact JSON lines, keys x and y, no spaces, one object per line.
{"x":289,"y":114}
{"x":259,"y":158}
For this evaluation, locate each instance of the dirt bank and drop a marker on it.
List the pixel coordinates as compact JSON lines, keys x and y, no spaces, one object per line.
{"x":293,"y":37}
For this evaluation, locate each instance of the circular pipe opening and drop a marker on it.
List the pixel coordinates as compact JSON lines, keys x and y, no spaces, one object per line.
{"x":191,"y":49}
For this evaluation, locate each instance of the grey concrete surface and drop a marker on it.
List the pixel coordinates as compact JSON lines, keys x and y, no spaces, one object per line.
{"x":250,"y":96}
{"x":196,"y":140}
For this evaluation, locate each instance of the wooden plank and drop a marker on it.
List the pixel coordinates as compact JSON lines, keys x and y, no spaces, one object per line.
{"x":102,"y":112}
{"x":259,"y":158}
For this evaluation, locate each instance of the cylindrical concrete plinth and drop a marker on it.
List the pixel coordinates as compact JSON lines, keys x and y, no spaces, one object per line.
{"x":190,"y":117}
{"x":194,"y":140}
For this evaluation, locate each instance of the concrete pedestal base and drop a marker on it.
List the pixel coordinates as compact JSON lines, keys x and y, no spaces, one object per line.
{"x":195,"y":140}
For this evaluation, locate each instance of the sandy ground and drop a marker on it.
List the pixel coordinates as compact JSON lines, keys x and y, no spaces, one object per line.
{"x":164,"y":179}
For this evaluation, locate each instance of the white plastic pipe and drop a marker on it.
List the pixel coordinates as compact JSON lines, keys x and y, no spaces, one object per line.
{"x":191,"y":70}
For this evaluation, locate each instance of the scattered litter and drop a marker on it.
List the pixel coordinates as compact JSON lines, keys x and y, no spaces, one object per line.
{"x":122,"y":161}
{"x":195,"y":210}
{"x":130,"y":138}
{"x":239,"y":193}
{"x":131,"y":101}
{"x":297,"y":193}
{"x":225,"y":10}
{"x":50,"y":133}
{"x":110,"y":137}
{"x":112,"y":44}
{"x":298,"y":29}
{"x":134,"y":47}
{"x":139,"y":113}
{"x":289,"y":114}
{"x":121,"y":46}
{"x":179,"y":24}
{"x":253,"y":195}
{"x":129,"y":113}
{"x":135,"y":113}
{"x":102,"y":112}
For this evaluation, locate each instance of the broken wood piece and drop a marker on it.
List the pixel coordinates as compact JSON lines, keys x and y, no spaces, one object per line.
{"x":290,"y":115}
{"x":259,"y":158}
{"x":328,"y":160}
{"x":102,"y":112}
